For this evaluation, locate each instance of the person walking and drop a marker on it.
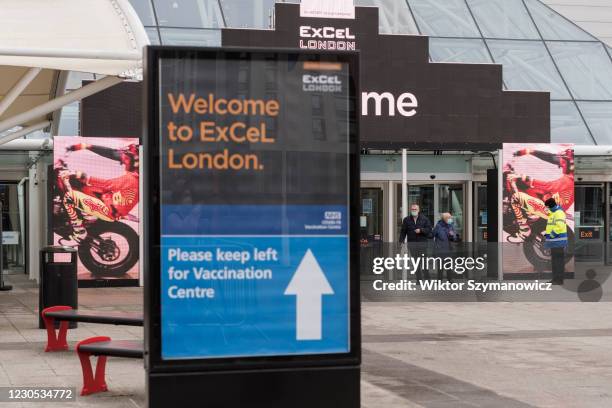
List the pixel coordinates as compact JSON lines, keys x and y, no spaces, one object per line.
{"x":443,"y":235}
{"x":416,"y":230}
{"x":556,"y":240}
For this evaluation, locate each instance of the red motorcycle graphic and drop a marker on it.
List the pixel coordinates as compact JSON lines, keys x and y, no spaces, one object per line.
{"x":106,"y":248}
{"x":536,"y":215}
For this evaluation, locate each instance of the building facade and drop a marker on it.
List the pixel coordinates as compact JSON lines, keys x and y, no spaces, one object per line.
{"x":538,"y":48}
{"x":533,"y":47}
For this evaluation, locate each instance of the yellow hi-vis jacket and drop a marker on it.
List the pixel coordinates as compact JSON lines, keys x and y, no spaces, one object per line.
{"x":556,"y":229}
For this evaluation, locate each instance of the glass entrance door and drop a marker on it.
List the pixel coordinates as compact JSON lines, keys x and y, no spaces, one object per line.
{"x":434,"y":199}
{"x":421,"y":194}
{"x":589,"y":222}
{"x":451,"y":201}
{"x":481,"y":213}
{"x":371,"y":214}
{"x":13,"y":228}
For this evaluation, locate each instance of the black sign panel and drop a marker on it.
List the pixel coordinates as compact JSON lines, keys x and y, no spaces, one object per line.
{"x":405,"y":100}
{"x":252,"y":225}
{"x":113,"y":112}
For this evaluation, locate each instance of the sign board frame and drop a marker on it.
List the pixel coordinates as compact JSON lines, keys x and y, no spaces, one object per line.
{"x":152,"y":219}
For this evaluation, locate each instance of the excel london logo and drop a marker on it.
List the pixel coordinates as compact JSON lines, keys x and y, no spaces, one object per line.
{"x":321,"y":83}
{"x":326,"y":38}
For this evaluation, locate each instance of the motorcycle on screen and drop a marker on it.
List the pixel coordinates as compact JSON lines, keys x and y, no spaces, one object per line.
{"x":109,"y":248}
{"x":535,"y":214}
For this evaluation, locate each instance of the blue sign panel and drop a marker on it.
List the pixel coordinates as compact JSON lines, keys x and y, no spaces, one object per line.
{"x":257,"y":295}
{"x":254,"y":248}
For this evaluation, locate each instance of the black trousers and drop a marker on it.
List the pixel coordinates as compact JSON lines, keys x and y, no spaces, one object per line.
{"x":558,"y":263}
{"x":418,"y":249}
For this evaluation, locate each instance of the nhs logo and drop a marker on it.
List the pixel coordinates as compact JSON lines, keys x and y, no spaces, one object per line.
{"x":333,"y":215}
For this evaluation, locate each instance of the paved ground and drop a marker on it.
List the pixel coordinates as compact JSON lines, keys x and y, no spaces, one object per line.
{"x":415,"y":354}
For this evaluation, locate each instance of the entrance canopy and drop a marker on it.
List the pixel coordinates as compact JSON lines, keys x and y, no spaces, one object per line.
{"x":41,"y":40}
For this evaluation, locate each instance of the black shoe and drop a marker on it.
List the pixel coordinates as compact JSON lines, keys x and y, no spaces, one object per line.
{"x":556,"y":282}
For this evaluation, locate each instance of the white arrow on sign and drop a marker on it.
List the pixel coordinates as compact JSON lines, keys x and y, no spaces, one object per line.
{"x":308,"y":285}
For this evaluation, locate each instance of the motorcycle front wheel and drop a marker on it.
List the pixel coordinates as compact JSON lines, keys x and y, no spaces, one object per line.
{"x":110,"y":249}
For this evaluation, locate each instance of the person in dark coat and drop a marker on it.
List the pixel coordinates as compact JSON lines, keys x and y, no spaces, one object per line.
{"x":415,"y":227}
{"x":416,"y":230}
{"x":443,"y":235}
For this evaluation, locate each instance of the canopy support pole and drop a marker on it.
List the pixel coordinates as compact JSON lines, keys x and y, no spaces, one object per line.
{"x":18,"y":88}
{"x":74,"y":54}
{"x":59,"y":102}
{"x":404,"y":183}
{"x":25,"y":131}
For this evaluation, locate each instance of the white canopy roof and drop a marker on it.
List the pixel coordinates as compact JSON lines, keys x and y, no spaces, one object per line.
{"x":41,"y":40}
{"x":98,"y":36}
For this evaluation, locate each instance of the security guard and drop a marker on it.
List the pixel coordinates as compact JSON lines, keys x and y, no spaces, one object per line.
{"x":556,"y":239}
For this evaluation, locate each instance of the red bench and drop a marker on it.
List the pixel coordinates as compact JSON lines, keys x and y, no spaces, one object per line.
{"x":56,"y":339}
{"x":103,"y":347}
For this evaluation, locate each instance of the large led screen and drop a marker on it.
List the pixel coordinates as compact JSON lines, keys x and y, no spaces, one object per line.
{"x":95,"y":204}
{"x":532,"y":173}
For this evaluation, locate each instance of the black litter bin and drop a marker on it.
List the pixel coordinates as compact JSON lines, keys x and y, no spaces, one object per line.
{"x":58,"y":280}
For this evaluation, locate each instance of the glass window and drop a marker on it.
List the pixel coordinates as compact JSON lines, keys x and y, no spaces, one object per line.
{"x":69,"y":120}
{"x":247,"y":14}
{"x":598,"y":116}
{"x":449,"y":18}
{"x":552,"y":25}
{"x":371,"y":200}
{"x":458,"y":50}
{"x":12,"y":216}
{"x":589,"y":203}
{"x":183,"y":36}
{"x":503,"y":19}
{"x":422,"y":195}
{"x":153,"y":35}
{"x":528,"y":67}
{"x":393,"y":16}
{"x":586,"y":68}
{"x":566,"y":125}
{"x":189,"y":13}
{"x":451,"y":200}
{"x":144,"y":10}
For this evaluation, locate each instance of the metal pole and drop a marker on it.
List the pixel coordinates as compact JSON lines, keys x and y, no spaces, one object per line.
{"x":3,"y":287}
{"x":23,"y":132}
{"x":500,"y":216}
{"x":404,"y":184}
{"x":68,"y":53}
{"x":404,"y":248}
{"x":28,"y":144}
{"x":21,"y":202}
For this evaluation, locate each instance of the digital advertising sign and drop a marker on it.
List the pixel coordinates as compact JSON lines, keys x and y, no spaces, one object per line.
{"x":252,"y":223}
{"x":95,"y":193}
{"x":533,"y":173}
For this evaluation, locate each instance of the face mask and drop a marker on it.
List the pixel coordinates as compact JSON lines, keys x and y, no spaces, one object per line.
{"x":414,"y":213}
{"x":450,"y":221}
